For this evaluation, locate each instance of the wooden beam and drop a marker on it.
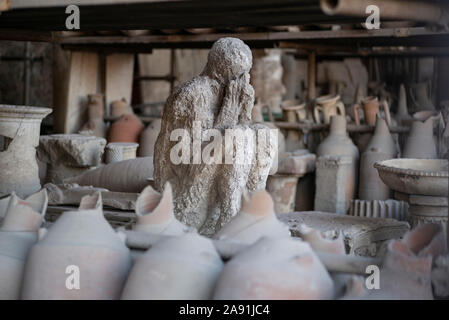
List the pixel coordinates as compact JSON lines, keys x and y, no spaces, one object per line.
{"x":118,"y":78}
{"x":76,"y":76}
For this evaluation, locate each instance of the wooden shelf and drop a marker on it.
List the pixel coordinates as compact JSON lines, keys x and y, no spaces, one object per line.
{"x":353,"y":128}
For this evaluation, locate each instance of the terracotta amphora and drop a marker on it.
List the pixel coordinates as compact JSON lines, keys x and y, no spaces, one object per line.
{"x":126,"y":129}
{"x":18,"y":232}
{"x":275,"y":269}
{"x":328,"y":106}
{"x":176,"y":268}
{"x":420,"y":142}
{"x":80,"y":257}
{"x":255,"y":220}
{"x":120,"y":108}
{"x":371,"y":108}
{"x":95,"y":109}
{"x":148,"y":138}
{"x":155,"y":213}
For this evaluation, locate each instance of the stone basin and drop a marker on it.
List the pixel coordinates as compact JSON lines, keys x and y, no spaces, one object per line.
{"x":415,"y":176}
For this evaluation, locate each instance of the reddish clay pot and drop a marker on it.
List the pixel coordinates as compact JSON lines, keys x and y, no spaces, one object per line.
{"x":125,"y":129}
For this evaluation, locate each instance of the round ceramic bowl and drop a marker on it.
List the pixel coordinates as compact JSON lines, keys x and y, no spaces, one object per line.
{"x":415,"y":176}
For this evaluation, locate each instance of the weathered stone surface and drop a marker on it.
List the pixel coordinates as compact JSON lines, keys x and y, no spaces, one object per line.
{"x":362,"y":235}
{"x":73,"y":150}
{"x":298,"y":163}
{"x":71,"y":194}
{"x":331,"y":178}
{"x":206,"y":196}
{"x":19,"y":137}
{"x":393,"y":209}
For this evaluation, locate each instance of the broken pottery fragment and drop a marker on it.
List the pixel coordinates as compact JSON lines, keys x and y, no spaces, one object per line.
{"x":363,"y":236}
{"x":71,"y":194}
{"x":19,"y":137}
{"x":124,"y":176}
{"x":155,"y":213}
{"x":148,"y":138}
{"x":406,"y":268}
{"x":207,"y":194}
{"x":328,"y":241}
{"x":80,"y":242}
{"x":275,"y":269}
{"x":69,"y":155}
{"x":440,"y":277}
{"x":255,"y":220}
{"x":18,"y":232}
{"x":179,"y":268}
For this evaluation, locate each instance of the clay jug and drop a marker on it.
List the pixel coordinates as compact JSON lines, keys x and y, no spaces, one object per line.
{"x":18,"y":232}
{"x":371,"y":187}
{"x":420,"y":142}
{"x":120,"y":108}
{"x":275,"y":269}
{"x":382,"y":139}
{"x":155,"y":213}
{"x":148,"y":138}
{"x":371,"y":107}
{"x":80,"y":242}
{"x":125,"y":129}
{"x":256,"y":219}
{"x":328,"y":106}
{"x":338,"y":142}
{"x":402,"y":116}
{"x":177,"y":268}
{"x":419,"y":93}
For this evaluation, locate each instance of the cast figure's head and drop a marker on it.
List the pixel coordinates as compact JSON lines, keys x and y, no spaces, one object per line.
{"x":228,"y":59}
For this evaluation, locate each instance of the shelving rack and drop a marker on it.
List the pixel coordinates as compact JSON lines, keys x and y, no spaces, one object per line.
{"x":37,"y":20}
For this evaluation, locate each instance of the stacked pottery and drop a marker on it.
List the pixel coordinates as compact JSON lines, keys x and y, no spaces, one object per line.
{"x":148,"y":138}
{"x":255,"y":220}
{"x":18,"y":232}
{"x":95,"y":108}
{"x":420,"y":142}
{"x":177,"y":268}
{"x":338,"y":143}
{"x":275,"y":269}
{"x":328,"y":106}
{"x":155,"y":213}
{"x":80,"y":257}
{"x":381,"y":147}
{"x":126,"y":129}
{"x":371,"y":108}
{"x":120,"y":108}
